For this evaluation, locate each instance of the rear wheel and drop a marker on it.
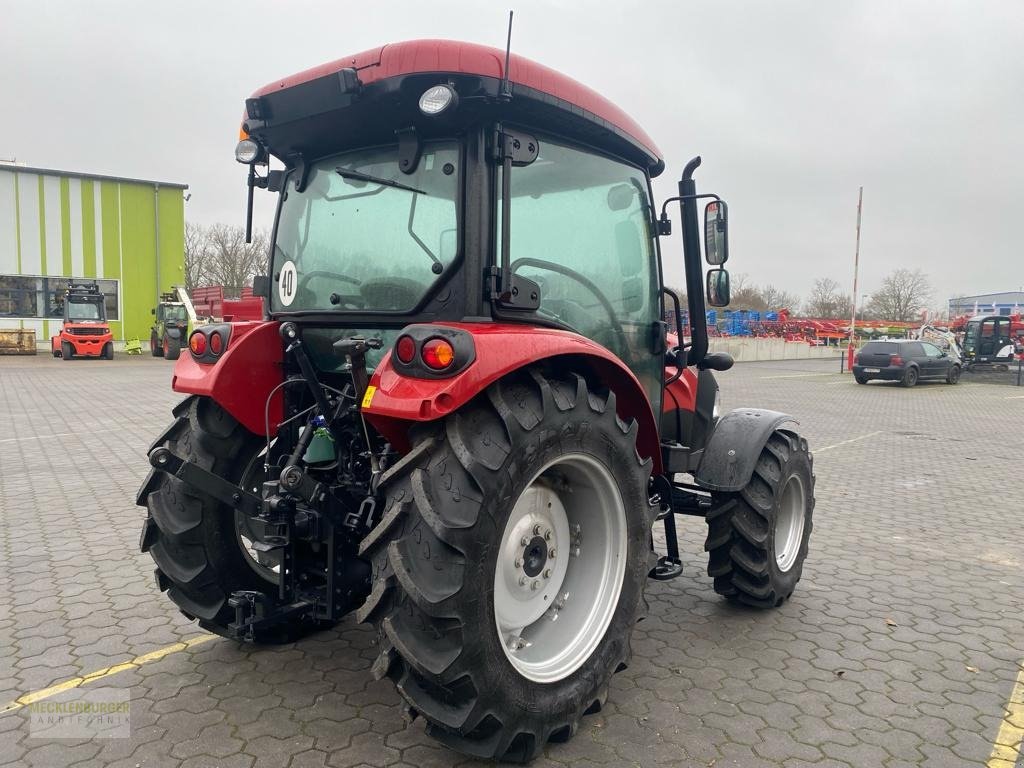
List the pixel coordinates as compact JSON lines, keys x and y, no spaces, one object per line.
{"x":757,"y":537}
{"x":198,"y":543}
{"x":171,"y":348}
{"x":910,"y":377}
{"x":953,"y":376}
{"x":510,"y":563}
{"x":66,"y":350}
{"x":861,"y":379}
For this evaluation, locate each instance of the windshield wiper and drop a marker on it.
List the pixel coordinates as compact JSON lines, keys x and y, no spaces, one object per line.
{"x":347,"y":173}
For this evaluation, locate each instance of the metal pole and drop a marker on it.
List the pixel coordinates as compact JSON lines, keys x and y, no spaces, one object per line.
{"x":856,"y":264}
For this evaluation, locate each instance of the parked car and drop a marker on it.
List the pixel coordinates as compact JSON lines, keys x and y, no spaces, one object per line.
{"x":905,"y":361}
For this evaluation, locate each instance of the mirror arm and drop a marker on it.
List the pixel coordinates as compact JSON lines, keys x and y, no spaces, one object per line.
{"x":694,"y":264}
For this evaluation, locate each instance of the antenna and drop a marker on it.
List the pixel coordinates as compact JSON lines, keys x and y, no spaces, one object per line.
{"x":505,"y":92}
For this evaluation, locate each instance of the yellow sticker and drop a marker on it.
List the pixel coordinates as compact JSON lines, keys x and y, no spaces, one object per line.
{"x":368,"y":397}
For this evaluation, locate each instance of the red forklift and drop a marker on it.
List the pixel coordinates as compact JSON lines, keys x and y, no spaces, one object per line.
{"x":464,"y":415}
{"x":85,"y":332}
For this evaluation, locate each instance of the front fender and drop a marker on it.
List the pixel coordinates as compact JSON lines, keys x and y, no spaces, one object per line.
{"x":397,"y":400}
{"x":243,"y":378}
{"x":735,"y":445}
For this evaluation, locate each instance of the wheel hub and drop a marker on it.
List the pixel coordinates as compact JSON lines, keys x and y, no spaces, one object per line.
{"x":535,"y":556}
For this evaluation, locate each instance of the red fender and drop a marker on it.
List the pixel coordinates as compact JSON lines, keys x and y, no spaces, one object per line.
{"x":501,"y":349}
{"x":242,"y":379}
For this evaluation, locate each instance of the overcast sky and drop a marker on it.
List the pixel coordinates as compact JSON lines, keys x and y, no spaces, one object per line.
{"x":792,"y":105}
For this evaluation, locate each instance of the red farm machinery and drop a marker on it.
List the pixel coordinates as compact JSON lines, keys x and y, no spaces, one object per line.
{"x":464,"y":415}
{"x":85,"y":332}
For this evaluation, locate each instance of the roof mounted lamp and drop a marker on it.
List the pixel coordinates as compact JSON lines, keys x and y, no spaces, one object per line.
{"x":438,"y":99}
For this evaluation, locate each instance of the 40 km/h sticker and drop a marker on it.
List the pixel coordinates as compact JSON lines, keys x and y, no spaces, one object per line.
{"x":286,"y":283}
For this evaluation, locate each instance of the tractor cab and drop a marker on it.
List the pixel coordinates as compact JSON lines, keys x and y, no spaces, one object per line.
{"x":989,"y":339}
{"x":85,"y":332}
{"x":464,"y":412}
{"x":170,"y":328}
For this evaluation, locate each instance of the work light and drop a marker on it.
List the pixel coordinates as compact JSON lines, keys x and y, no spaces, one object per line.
{"x":248,"y":151}
{"x":437,"y":99}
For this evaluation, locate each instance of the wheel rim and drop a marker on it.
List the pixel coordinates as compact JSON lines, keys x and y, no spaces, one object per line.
{"x":265,"y":564}
{"x":912,"y":376}
{"x":560,"y":568}
{"x":789,"y":523}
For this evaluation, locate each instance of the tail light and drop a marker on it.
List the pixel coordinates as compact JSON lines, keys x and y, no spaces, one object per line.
{"x":895,"y":360}
{"x":432,"y":351}
{"x":209,"y":342}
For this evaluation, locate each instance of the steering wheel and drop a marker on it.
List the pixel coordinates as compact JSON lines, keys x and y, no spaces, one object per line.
{"x":393,"y":292}
{"x":583,"y":280}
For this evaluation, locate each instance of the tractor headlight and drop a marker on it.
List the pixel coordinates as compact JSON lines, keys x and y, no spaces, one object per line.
{"x":248,"y":151}
{"x":437,"y":99}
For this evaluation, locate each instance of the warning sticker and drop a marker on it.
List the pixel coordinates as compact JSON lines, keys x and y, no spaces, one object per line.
{"x":368,"y":397}
{"x":286,"y":283}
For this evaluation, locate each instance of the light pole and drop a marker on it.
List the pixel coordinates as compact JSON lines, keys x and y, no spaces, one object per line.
{"x":856,"y":264}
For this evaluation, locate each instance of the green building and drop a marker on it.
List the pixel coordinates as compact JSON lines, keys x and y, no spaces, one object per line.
{"x":127,"y":234}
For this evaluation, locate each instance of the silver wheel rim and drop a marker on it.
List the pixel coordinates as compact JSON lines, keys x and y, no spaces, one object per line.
{"x":265,"y":564}
{"x":789,"y":523}
{"x":560,"y":568}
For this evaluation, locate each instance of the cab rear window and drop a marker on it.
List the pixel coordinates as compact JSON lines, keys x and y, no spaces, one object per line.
{"x":880,"y":348}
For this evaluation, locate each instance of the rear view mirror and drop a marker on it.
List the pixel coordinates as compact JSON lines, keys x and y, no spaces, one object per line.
{"x":261,"y":286}
{"x":152,"y":311}
{"x":717,"y":288}
{"x":716,"y":233}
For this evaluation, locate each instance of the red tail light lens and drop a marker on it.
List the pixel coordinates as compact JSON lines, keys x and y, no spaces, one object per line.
{"x":216,"y":343}
{"x":197,"y":343}
{"x":438,"y":354}
{"x":405,"y":349}
{"x":895,"y":360}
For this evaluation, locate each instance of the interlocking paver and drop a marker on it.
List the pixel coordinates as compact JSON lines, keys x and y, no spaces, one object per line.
{"x":914,"y":581}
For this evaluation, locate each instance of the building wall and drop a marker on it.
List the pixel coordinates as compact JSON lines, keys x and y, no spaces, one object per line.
{"x":55,"y":225}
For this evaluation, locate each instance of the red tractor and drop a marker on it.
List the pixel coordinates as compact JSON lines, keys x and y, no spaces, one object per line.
{"x":85,"y":332}
{"x":464,"y":414}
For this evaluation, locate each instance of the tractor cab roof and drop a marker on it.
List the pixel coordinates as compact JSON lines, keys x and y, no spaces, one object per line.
{"x":365,"y":98}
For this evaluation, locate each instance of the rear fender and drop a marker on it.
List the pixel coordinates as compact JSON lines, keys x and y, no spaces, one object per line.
{"x":243,"y":378}
{"x":397,"y":401}
{"x":735,"y":445}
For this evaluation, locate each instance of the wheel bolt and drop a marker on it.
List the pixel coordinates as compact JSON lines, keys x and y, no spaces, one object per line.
{"x":547,"y":573}
{"x":536,"y":530}
{"x":552,"y":552}
{"x":547,"y":535}
{"x":524,"y":541}
{"x":522,"y":581}
{"x":536,"y":584}
{"x":519,"y":563}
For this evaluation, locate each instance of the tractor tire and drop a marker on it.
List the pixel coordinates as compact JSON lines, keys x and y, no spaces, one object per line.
{"x":910,"y":377}
{"x":757,"y":537}
{"x":193,"y":539}
{"x":66,"y":351}
{"x":953,"y":377}
{"x":108,"y":351}
{"x":155,"y":347}
{"x":448,"y":600}
{"x":171,"y":348}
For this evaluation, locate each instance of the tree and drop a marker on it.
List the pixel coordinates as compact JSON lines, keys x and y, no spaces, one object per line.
{"x":776,"y":298}
{"x":745,"y":295}
{"x":902,"y":296}
{"x":218,"y":255}
{"x":827,"y":301}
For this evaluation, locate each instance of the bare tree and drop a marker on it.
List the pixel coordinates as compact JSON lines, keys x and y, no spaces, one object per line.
{"x":776,"y":298}
{"x":903,"y":295}
{"x":196,"y":256}
{"x":827,"y":301}
{"x":218,"y":255}
{"x":744,"y":294}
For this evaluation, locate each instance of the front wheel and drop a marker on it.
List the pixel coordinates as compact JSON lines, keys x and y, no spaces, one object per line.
{"x":66,"y":351}
{"x":757,"y":537}
{"x":155,"y":347}
{"x":171,"y":348}
{"x":108,"y":351}
{"x":510,"y":563}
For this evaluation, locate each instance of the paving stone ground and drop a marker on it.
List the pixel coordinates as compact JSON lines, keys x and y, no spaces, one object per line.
{"x":899,"y":648}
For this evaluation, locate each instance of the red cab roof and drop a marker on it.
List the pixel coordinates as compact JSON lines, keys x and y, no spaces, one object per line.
{"x":423,"y":56}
